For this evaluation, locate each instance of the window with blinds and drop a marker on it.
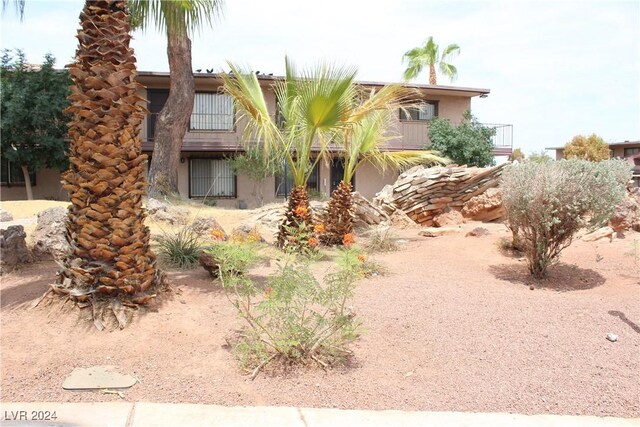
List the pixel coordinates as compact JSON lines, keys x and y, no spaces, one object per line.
{"x":211,"y":178}
{"x":212,"y":111}
{"x":424,"y":111}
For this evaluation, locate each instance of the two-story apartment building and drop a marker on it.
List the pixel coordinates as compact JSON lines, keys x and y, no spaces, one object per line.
{"x":213,"y":137}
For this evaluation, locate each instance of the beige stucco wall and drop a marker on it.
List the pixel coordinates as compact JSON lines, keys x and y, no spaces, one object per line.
{"x":47,"y":187}
{"x":415,"y":133}
{"x":369,"y":180}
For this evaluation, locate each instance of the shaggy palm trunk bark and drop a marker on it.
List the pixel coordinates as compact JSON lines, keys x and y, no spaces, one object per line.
{"x":432,"y":74}
{"x":173,"y":119}
{"x":338,"y":219}
{"x":297,"y":217}
{"x":110,"y":258}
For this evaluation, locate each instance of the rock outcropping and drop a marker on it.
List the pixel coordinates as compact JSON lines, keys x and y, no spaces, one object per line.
{"x":13,"y":248}
{"x":424,"y":193}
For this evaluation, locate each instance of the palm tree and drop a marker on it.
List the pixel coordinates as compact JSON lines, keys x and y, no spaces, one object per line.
{"x":177,"y":18}
{"x":311,"y":105}
{"x":365,"y":141}
{"x":429,"y":54}
{"x":110,"y":264}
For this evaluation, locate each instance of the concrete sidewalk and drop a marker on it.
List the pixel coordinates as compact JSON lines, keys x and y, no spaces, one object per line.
{"x":123,"y":414}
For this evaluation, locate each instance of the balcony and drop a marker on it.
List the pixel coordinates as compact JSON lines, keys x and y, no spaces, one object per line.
{"x":502,"y":139}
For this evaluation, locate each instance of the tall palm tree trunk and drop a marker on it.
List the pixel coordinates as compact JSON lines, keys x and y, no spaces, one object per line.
{"x":297,"y":217}
{"x":339,"y":216}
{"x":110,"y":257}
{"x":173,"y":119}
{"x":432,"y":74}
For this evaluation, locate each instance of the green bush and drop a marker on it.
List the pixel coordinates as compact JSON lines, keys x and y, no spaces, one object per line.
{"x":181,"y":249}
{"x":547,"y":203}
{"x":470,"y":143}
{"x":292,"y":317}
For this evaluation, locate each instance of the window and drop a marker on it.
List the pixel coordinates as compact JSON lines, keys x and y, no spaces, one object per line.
{"x":11,"y":174}
{"x":211,"y":178}
{"x":284,"y":186}
{"x":631,"y":151}
{"x":212,"y":111}
{"x":425,"y":111}
{"x":157,"y":99}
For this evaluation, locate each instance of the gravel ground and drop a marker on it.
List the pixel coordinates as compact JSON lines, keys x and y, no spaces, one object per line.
{"x":453,"y":326}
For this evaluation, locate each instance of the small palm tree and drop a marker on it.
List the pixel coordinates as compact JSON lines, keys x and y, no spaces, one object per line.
{"x":429,"y":55}
{"x":312,"y":105}
{"x":176,"y":18}
{"x":110,"y":264}
{"x":365,"y":141}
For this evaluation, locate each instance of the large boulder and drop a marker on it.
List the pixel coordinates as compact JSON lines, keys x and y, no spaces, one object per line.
{"x":5,"y":216}
{"x":447,"y":218}
{"x":485,"y":207}
{"x":49,"y":238}
{"x":247,"y":233}
{"x":627,"y":214}
{"x":13,"y":248}
{"x":208,"y":226}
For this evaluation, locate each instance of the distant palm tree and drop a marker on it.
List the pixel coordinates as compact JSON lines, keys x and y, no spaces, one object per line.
{"x":429,"y":55}
{"x":311,"y":105}
{"x":365,"y":141}
{"x":176,"y":18}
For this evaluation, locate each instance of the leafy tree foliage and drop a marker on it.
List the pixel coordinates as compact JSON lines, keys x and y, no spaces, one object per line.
{"x":469,"y":143}
{"x":253,"y":164}
{"x":34,"y":125}
{"x":592,"y":148}
{"x":518,"y":155}
{"x":541,"y":157}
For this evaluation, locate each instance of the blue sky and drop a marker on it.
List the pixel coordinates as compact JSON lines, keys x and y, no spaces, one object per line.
{"x":555,"y":69}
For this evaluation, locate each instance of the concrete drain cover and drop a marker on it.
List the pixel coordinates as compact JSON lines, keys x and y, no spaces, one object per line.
{"x":96,"y":378}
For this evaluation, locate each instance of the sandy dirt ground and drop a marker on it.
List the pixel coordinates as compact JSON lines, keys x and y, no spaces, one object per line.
{"x":453,"y":326}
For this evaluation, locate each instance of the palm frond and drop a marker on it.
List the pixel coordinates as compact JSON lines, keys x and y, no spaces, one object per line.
{"x":449,"y":70}
{"x":251,"y":106}
{"x":398,"y":160}
{"x":451,"y":50}
{"x":174,"y":15}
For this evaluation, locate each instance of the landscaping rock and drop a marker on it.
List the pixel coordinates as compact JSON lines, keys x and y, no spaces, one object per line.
{"x":5,"y":216}
{"x":13,"y":248}
{"x":50,"y":236}
{"x":612,"y":337}
{"x":400,"y":219}
{"x":438,"y":231}
{"x":448,"y":217}
{"x":204,"y":226}
{"x":600,"y":233}
{"x":171,"y":214}
{"x":424,"y":193}
{"x":246,"y":233}
{"x":485,"y":207}
{"x":365,"y":214}
{"x":627,"y":214}
{"x":477,"y":232}
{"x":210,"y":264}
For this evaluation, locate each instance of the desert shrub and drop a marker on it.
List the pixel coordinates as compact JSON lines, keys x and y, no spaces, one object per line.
{"x":381,"y":240}
{"x":179,"y":249}
{"x":293,"y":317}
{"x":547,"y":203}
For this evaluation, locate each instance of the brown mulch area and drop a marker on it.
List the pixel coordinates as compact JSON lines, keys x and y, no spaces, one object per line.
{"x":453,"y":326}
